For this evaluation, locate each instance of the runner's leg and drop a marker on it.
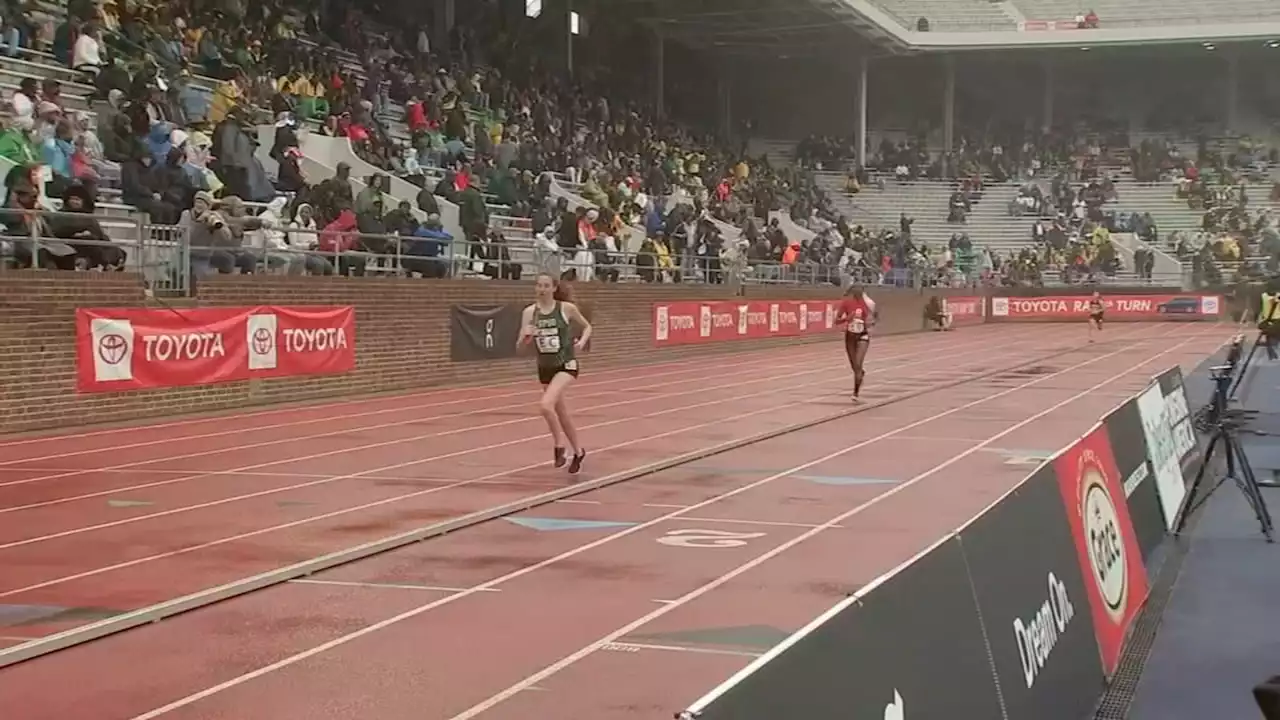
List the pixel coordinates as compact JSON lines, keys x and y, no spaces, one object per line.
{"x":851,"y":349}
{"x":556,"y":389}
{"x":551,"y":396}
{"x":860,"y":357}
{"x":566,"y":422}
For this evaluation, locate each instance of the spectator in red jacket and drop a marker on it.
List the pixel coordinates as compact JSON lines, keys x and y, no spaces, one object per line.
{"x":416,"y":115}
{"x":341,"y":238}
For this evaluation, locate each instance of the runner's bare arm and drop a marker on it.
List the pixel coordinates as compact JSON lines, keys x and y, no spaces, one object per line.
{"x":526,"y":328}
{"x":576,"y":317}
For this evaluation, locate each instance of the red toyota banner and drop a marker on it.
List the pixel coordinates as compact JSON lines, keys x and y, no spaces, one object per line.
{"x":1123,"y":307}
{"x":137,"y":348}
{"x":966,"y":310}
{"x":1107,"y":546}
{"x":688,"y":323}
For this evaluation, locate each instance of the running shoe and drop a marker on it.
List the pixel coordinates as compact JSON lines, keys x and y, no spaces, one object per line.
{"x":576,"y":466}
{"x":559,"y":457}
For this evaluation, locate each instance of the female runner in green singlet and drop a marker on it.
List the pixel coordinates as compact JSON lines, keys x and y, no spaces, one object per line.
{"x":549,"y":323}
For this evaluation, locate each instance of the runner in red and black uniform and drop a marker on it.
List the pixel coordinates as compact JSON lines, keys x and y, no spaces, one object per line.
{"x":858,"y":313}
{"x":1097,"y":308}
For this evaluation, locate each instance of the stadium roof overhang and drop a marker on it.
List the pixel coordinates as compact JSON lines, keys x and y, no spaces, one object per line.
{"x":896,"y":39}
{"x":841,"y":29}
{"x":785,"y":29}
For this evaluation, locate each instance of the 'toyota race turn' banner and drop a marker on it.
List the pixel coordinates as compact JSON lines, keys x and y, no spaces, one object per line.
{"x":136,"y":348}
{"x":1132,"y":307}
{"x":687,"y":323}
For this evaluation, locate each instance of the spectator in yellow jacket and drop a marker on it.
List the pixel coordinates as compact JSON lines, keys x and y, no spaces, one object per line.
{"x":226,"y":96}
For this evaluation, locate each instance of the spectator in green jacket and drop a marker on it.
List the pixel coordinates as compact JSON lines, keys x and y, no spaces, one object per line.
{"x":15,"y":146}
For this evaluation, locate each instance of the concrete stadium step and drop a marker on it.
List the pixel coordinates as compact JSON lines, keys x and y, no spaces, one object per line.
{"x":1117,"y":13}
{"x":927,"y":202}
{"x":14,"y":75}
{"x":949,"y":15}
{"x":70,"y":100}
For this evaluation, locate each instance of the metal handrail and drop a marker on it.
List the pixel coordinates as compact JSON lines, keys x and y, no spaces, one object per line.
{"x":166,"y":256}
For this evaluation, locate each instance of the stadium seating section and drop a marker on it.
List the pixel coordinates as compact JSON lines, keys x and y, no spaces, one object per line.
{"x":812,"y":197}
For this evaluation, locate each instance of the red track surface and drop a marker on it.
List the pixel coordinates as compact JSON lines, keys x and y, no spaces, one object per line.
{"x":502,"y":620}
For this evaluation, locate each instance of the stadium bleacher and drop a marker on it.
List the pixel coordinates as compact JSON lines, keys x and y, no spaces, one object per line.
{"x":877,"y":205}
{"x":949,"y":15}
{"x":1122,"y":13}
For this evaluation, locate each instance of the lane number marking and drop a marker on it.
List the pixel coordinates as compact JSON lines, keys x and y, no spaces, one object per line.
{"x":699,"y":538}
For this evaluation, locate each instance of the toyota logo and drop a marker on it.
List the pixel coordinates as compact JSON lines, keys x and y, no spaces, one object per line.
{"x":262,"y":341}
{"x":112,"y":348}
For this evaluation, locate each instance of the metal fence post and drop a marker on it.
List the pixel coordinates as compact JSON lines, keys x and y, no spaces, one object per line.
{"x":34,"y":229}
{"x":183,"y":270}
{"x":146,"y":253}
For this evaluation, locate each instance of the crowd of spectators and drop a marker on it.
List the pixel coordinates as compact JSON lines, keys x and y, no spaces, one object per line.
{"x":482,"y":133}
{"x":476,"y":120}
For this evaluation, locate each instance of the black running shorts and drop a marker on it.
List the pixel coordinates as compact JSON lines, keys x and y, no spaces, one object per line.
{"x":546,"y":372}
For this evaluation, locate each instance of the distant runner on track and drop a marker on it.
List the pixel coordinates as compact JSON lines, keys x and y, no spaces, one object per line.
{"x":858,"y":313}
{"x":549,"y":324}
{"x":1097,"y":308}
{"x":936,"y":313}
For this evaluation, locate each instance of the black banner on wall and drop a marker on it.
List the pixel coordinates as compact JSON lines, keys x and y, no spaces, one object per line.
{"x":484,"y":332}
{"x":1129,"y":445}
{"x":911,"y":649}
{"x":1022,"y":559}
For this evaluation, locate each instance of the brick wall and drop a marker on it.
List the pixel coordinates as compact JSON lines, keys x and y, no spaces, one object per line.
{"x":402,"y":338}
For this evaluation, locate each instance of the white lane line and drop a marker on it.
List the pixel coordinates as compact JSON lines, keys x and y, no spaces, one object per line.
{"x":735,"y":521}
{"x":824,"y":381}
{"x":436,"y":395}
{"x":374,"y":471}
{"x":387,"y":501}
{"x":389,"y":586}
{"x":633,"y":647}
{"x":604,"y":378}
{"x":701,"y":378}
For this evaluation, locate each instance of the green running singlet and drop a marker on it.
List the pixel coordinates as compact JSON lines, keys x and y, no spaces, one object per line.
{"x":553,"y":338}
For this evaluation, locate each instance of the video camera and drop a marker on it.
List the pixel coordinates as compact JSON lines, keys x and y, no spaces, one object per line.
{"x":1214,"y":412}
{"x":1225,"y":379}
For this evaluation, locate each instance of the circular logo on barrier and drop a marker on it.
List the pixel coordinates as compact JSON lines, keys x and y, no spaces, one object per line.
{"x":1102,"y":535}
{"x":262,"y":341}
{"x":112,"y":348}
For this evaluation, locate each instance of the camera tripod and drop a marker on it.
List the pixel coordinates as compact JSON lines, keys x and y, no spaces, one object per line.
{"x":1226,"y":426}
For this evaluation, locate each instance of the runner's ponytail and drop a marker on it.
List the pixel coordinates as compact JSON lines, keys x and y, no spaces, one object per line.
{"x":564,"y":286}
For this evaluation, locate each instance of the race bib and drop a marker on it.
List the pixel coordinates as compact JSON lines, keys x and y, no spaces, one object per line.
{"x":857,"y":325}
{"x":571,"y":365}
{"x":548,"y":343}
